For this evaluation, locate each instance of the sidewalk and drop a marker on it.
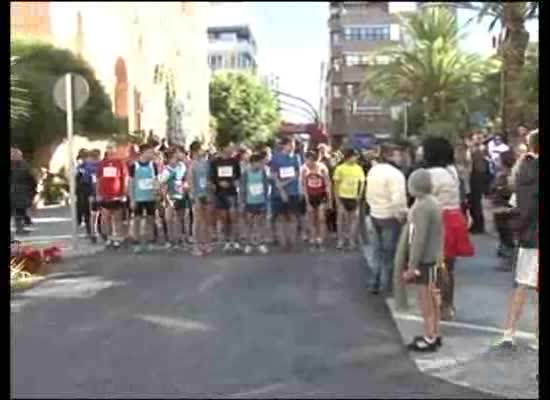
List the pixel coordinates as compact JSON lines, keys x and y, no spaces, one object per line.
{"x":482,"y":294}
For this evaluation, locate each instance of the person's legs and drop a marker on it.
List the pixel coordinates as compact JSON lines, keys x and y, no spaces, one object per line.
{"x":116,"y":224}
{"x":321,"y":224}
{"x":476,"y":210}
{"x":447,"y":291}
{"x":341,"y":226}
{"x":353,"y":226}
{"x":19,"y":219}
{"x":425,"y":302}
{"x":377,"y":260}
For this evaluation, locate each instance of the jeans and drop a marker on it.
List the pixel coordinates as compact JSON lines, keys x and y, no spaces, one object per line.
{"x":386,"y":238}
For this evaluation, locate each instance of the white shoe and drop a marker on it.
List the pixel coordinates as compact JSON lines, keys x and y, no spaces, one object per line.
{"x":236,"y":246}
{"x":227,"y":247}
{"x":248,"y":250}
{"x":263,"y":249}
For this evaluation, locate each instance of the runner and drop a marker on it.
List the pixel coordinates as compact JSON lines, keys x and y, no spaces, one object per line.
{"x":255,"y":191}
{"x":349,"y":179}
{"x":187,"y":225}
{"x":198,"y":180}
{"x":142,"y":191}
{"x":315,"y":179}
{"x":85,"y":192}
{"x":112,"y":181}
{"x":225,"y":173}
{"x":285,"y":195}
{"x":173,"y":179}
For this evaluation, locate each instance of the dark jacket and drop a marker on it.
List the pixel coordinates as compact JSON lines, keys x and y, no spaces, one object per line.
{"x":502,"y":192}
{"x":527,"y":193}
{"x":22,"y":185}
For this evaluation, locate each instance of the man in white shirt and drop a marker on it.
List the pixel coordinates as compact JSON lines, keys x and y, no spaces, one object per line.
{"x":496,"y":147}
{"x":386,"y":196}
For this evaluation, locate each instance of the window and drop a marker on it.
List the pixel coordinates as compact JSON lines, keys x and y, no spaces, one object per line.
{"x":371,"y":33}
{"x":336,"y":91}
{"x":336,"y":63}
{"x":356,"y":59}
{"x":228,"y":37}
{"x":215,"y":61}
{"x":353,"y":89}
{"x":335,"y":38}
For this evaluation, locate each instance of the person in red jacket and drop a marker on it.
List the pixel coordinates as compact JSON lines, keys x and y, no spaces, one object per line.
{"x":112,"y":180}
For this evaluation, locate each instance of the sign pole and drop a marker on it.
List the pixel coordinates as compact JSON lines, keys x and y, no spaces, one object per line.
{"x":70,"y":157}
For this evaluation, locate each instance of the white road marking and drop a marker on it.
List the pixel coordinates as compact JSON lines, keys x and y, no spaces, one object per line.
{"x":179,"y":324}
{"x":261,"y":390}
{"x":49,"y":238}
{"x":209,"y":282}
{"x":489,"y":329}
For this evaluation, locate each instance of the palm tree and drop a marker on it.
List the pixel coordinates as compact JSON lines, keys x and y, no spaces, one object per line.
{"x":19,"y":103}
{"x":512,"y":16}
{"x":431,"y":69}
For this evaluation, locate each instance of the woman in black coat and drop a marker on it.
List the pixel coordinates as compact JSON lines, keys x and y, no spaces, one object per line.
{"x":22,"y":189}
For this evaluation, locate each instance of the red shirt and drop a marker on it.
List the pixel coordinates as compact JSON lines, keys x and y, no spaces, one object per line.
{"x":111,"y":180}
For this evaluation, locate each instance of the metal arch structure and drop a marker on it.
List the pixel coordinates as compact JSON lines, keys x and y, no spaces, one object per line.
{"x":307,"y":103}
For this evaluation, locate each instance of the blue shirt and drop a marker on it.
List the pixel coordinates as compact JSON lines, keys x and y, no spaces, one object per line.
{"x":286,"y":167}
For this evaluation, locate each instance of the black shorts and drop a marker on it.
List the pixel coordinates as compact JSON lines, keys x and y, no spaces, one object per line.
{"x":292,"y":207}
{"x":112,"y":204}
{"x":146,"y":207}
{"x":315,"y":201}
{"x":350,"y":204}
{"x":256,"y":209}
{"x":94,"y":204}
{"x":428,"y":274}
{"x":226,"y":202}
{"x":183,"y":204}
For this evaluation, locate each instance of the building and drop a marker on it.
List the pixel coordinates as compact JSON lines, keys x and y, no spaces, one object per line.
{"x":357,"y":30}
{"x":232,"y":48}
{"x":271,"y":81}
{"x":136,"y":50}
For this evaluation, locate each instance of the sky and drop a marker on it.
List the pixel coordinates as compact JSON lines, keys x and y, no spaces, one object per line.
{"x":293,"y":41}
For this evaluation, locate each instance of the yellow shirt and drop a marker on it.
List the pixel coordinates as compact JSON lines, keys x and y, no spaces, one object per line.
{"x":348,"y":179}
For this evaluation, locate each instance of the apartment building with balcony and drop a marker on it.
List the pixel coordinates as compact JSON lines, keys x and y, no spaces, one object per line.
{"x":232,"y":48}
{"x":358,"y":30}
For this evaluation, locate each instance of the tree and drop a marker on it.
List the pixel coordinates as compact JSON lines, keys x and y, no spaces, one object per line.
{"x":431,"y":70}
{"x":244,"y":110}
{"x":512,"y":17}
{"x":530,"y":82}
{"x":39,"y":65}
{"x":19,"y":103}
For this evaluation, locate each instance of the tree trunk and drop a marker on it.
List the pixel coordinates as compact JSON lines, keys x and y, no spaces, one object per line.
{"x":514,"y":49}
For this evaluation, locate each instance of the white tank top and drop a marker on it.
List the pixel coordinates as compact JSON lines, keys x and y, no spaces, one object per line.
{"x":446,"y":187}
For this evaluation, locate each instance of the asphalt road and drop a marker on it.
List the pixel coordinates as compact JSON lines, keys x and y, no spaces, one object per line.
{"x":172,"y":326}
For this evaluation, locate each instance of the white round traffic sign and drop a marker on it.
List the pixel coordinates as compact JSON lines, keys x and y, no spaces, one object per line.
{"x":80,"y":90}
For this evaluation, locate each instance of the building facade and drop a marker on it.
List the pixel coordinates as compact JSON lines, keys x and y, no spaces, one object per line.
{"x":357,"y":31}
{"x":136,"y":50}
{"x":232,"y":48}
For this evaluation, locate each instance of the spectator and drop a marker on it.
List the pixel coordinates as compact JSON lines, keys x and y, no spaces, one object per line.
{"x":439,"y":160}
{"x":22,"y":189}
{"x":501,"y":203}
{"x":479,"y":184}
{"x":424,"y":231}
{"x":527,"y":265}
{"x":463,"y":163}
{"x":386,"y":195}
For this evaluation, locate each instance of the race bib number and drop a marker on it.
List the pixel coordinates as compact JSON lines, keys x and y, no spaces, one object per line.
{"x":287,"y":172}
{"x":256,"y":189}
{"x":315,"y":182}
{"x":145,"y":184}
{"x":109,"y":172}
{"x":225,"y":172}
{"x":202,"y":183}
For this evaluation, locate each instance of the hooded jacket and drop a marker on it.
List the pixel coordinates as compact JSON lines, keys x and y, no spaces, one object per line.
{"x":424,"y":226}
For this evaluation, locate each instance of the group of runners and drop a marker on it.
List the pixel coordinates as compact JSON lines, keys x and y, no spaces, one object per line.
{"x":243,"y":198}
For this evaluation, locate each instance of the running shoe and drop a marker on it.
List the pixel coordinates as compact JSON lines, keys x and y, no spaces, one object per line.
{"x":248,"y":250}
{"x":227,"y":247}
{"x":263,"y":249}
{"x":423,"y":345}
{"x":116,"y":244}
{"x":534,"y":346}
{"x":236,"y":247}
{"x":197,"y":252}
{"x":138,"y":249}
{"x":504,"y":342}
{"x":109,"y":244}
{"x":340,"y":245}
